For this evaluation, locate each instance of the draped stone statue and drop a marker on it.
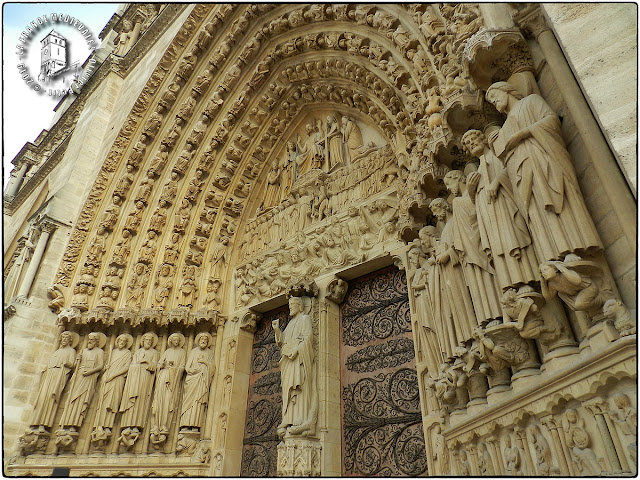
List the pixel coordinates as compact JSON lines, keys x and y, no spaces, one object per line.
{"x":83,"y":383}
{"x":200,"y":368}
{"x":114,"y":378}
{"x":137,"y":389}
{"x":287,"y":166}
{"x":310,"y":151}
{"x":53,"y":380}
{"x":458,"y":316}
{"x":297,"y":371}
{"x":352,"y":137}
{"x":335,"y":142}
{"x":540,"y":169}
{"x":503,"y":232}
{"x":170,"y":370}
{"x":578,"y":441}
{"x":478,"y":272}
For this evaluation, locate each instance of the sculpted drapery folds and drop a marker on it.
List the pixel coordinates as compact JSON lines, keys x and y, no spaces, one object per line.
{"x":478,"y":272}
{"x":540,"y":169}
{"x":170,"y":370}
{"x":114,"y":379}
{"x":53,"y":380}
{"x":137,"y":389}
{"x":458,"y":317}
{"x":297,"y":371}
{"x":83,"y":383}
{"x":200,"y":369}
{"x":503,"y":231}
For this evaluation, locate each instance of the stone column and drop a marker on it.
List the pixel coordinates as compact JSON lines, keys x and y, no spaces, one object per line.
{"x":596,"y":145}
{"x":16,"y":180}
{"x":494,"y":447}
{"x":332,"y":292}
{"x":523,"y":444}
{"x":597,"y":407}
{"x":496,"y":15}
{"x":566,"y":468}
{"x":208,"y":430}
{"x":27,"y":281}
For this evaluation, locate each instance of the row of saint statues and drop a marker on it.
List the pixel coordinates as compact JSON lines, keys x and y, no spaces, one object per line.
{"x":512,"y":236}
{"x":126,"y":388}
{"x":330,"y":144}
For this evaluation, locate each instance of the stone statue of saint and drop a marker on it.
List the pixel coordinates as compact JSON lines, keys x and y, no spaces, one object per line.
{"x":53,"y":380}
{"x":137,"y":389}
{"x":336,"y":144}
{"x":352,"y":137}
{"x":170,"y":370}
{"x":114,"y":378}
{"x":83,"y":383}
{"x":478,"y":272}
{"x":297,"y":371}
{"x":541,"y":171}
{"x":200,"y":369}
{"x":503,"y":231}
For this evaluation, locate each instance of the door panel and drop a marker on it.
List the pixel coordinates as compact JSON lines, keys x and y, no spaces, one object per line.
{"x":381,"y":419}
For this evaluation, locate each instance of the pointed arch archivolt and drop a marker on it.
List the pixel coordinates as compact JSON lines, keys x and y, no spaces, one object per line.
{"x":227,"y":92}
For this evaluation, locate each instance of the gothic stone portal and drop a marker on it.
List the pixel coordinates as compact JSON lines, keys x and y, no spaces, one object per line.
{"x":264,"y":405}
{"x":381,"y":420}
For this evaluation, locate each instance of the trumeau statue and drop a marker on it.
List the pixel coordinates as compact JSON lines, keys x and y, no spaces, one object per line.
{"x":297,"y":370}
{"x":200,"y":369}
{"x":53,"y":380}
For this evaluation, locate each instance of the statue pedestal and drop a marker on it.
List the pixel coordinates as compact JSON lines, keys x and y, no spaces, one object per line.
{"x":299,"y":457}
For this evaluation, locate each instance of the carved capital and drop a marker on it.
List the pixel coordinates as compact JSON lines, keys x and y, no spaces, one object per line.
{"x":596,"y":406}
{"x":531,"y":20}
{"x":249,"y":321}
{"x":550,"y":422}
{"x":68,"y":315}
{"x":336,"y":290}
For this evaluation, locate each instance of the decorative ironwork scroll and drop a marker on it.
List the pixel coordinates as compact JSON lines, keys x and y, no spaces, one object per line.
{"x":381,"y":419}
{"x":264,"y":405}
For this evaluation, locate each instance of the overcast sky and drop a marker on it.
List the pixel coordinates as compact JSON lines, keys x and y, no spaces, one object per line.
{"x":26,"y":113}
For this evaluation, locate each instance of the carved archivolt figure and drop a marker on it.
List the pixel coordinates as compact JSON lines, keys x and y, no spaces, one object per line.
{"x":540,"y":169}
{"x":53,"y":380}
{"x":503,"y":231}
{"x":170,"y":369}
{"x":164,"y":284}
{"x":137,"y":389}
{"x":114,"y":378}
{"x":90,"y":363}
{"x":200,"y":369}
{"x":297,"y":371}
{"x":578,"y":441}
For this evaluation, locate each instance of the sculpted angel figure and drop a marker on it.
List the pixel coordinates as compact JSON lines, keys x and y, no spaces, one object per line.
{"x":297,"y":371}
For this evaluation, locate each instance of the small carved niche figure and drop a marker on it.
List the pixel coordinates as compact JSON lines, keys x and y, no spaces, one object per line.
{"x":114,"y":378}
{"x":485,"y":464}
{"x":212,"y":300}
{"x":137,"y":390}
{"x":543,"y":452}
{"x":440,"y":451}
{"x":200,"y":369}
{"x":512,"y":459}
{"x":123,"y":41}
{"x":170,"y":369}
{"x":111,"y":213}
{"x":189,"y":286}
{"x":90,"y":363}
{"x":578,"y":441}
{"x":164,"y":284}
{"x":137,"y":285}
{"x":297,"y":370}
{"x":53,"y":380}
{"x":626,"y":417}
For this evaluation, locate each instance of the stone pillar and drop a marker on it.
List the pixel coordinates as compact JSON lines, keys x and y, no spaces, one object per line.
{"x":496,"y":15}
{"x":566,"y":468}
{"x":523,"y":444}
{"x":208,"y":430}
{"x":16,"y":180}
{"x":27,"y":281}
{"x":597,"y":407}
{"x":596,"y":145}
{"x":494,"y":449}
{"x":332,"y":292}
